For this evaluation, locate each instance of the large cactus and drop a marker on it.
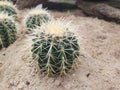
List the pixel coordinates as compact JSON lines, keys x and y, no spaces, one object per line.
{"x":8,"y":8}
{"x":36,"y":17}
{"x":7,"y":31}
{"x":56,"y":48}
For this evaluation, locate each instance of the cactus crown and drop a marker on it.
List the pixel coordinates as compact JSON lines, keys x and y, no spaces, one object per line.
{"x":38,"y":11}
{"x":8,"y":7}
{"x":56,"y":29}
{"x":7,"y":30}
{"x":56,"y":48}
{"x":36,"y":17}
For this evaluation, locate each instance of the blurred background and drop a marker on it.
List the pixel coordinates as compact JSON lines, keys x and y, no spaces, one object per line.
{"x":104,"y":9}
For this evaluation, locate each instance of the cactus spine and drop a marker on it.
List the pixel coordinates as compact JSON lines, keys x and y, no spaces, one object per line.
{"x":8,"y":8}
{"x":56,"y":48}
{"x":36,"y":17}
{"x":7,"y":31}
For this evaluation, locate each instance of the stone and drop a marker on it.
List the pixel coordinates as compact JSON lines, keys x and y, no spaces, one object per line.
{"x":100,"y":10}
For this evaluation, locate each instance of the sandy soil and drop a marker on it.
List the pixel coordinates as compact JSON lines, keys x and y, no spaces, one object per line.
{"x":98,"y":68}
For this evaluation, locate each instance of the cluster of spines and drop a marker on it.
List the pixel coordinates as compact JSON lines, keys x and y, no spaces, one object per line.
{"x":56,"y":53}
{"x":8,"y":8}
{"x":36,"y":17}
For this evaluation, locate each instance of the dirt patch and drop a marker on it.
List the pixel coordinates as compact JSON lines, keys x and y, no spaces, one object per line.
{"x":98,"y":68}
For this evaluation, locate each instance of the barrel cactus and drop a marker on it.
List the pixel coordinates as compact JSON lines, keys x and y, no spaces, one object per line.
{"x":36,"y":17}
{"x":7,"y":31}
{"x":8,"y":8}
{"x":56,"y":48}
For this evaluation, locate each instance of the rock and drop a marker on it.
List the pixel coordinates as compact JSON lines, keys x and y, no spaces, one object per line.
{"x":60,"y":6}
{"x":102,"y":11}
{"x":107,"y":12}
{"x":63,"y":1}
{"x":113,"y":3}
{"x":28,"y":3}
{"x":39,"y":6}
{"x":51,"y":4}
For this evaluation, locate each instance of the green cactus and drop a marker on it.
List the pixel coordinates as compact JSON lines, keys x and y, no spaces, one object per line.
{"x":8,"y":8}
{"x":56,"y":48}
{"x":36,"y":17}
{"x":7,"y":31}
{"x":0,"y":43}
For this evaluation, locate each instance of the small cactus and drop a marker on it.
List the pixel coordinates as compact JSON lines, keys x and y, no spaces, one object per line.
{"x":7,"y":31}
{"x":56,"y":48}
{"x":8,"y":8}
{"x":36,"y":17}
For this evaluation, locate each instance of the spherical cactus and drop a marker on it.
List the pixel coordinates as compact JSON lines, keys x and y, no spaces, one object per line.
{"x":7,"y":31}
{"x":56,"y":48}
{"x":36,"y":17}
{"x":8,"y":8}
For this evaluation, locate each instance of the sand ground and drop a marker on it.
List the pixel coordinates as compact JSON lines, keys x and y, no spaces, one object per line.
{"x":98,"y":66}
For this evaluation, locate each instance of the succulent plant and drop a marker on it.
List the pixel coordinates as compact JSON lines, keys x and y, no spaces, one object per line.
{"x":36,"y":17}
{"x":56,"y":48}
{"x":0,"y":44}
{"x":7,"y":31}
{"x":8,"y":8}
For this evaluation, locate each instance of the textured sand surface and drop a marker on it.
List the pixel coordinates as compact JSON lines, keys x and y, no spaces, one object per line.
{"x":98,"y":68}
